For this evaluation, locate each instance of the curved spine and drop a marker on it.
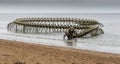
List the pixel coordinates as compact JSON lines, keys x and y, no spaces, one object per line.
{"x":38,"y":25}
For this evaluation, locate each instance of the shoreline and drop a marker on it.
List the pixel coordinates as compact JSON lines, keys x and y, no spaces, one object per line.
{"x":12,"y":51}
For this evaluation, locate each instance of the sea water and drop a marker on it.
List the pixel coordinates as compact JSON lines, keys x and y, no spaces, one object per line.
{"x":108,"y":42}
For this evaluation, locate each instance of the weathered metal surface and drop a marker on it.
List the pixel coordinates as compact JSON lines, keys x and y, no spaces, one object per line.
{"x":47,"y":25}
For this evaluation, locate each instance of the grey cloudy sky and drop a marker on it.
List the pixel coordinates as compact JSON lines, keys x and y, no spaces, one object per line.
{"x":60,"y":6}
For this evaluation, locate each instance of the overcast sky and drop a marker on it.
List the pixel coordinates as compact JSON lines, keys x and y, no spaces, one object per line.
{"x":74,"y":6}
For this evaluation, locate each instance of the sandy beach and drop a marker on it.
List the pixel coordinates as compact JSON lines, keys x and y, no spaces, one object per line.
{"x":12,"y":52}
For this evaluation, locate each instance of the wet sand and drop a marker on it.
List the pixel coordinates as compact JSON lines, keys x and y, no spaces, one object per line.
{"x":27,"y":53}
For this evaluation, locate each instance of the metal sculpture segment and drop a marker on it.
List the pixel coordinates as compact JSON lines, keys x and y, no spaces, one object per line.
{"x":48,"y":25}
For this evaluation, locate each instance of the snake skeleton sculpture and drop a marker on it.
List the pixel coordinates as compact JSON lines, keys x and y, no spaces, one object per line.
{"x":83,"y":27}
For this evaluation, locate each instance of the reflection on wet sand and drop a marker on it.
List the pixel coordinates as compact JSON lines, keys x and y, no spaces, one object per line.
{"x":70,"y":42}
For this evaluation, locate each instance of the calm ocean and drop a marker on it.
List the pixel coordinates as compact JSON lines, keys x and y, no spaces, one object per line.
{"x":108,"y":42}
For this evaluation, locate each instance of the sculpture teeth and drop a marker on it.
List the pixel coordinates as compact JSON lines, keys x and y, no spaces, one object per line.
{"x":38,"y":25}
